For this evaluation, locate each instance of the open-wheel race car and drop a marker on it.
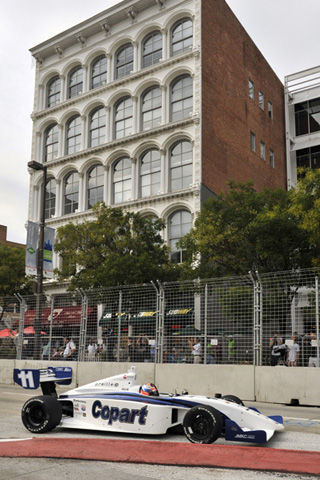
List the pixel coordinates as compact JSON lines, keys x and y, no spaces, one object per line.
{"x":118,"y":404}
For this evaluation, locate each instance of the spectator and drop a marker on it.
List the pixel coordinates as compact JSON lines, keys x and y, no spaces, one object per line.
{"x":56,"y":354}
{"x":92,"y":350}
{"x":111,"y":340}
{"x":293,"y":353}
{"x":210,"y":360}
{"x":196,"y":349}
{"x":275,"y":342}
{"x":70,"y":349}
{"x":143,"y":349}
{"x":131,"y":350}
{"x":313,"y":359}
{"x":46,"y":351}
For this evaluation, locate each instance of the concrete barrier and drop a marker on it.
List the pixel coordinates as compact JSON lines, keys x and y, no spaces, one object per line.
{"x":262,"y":384}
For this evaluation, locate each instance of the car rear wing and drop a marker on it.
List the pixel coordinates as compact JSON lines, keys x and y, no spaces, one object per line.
{"x":47,"y":378}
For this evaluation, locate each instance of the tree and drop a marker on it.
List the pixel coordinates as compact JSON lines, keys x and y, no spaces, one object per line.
{"x":245,"y":230}
{"x":12,"y":271}
{"x":305,"y":204}
{"x":116,"y":248}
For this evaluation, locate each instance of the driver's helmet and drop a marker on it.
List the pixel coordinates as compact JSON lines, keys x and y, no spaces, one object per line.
{"x":149,"y":389}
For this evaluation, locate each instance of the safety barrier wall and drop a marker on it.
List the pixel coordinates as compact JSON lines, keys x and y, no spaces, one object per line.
{"x":262,"y":384}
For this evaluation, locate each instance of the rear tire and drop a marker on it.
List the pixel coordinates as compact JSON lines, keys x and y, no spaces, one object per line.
{"x":41,"y":414}
{"x":202,"y":424}
{"x":233,"y":399}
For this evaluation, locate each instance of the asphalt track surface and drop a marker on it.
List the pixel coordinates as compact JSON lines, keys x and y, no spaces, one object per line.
{"x":294,"y":453}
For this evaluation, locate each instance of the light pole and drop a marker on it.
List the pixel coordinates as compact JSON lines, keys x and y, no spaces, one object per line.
{"x":37,"y":321}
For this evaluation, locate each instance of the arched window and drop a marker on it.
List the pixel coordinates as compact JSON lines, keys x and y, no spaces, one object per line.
{"x":122,"y":181}
{"x":124,"y":61}
{"x":151,"y":108}
{"x":75,"y":82}
{"x":99,"y":71}
{"x":181,"y":36}
{"x":73,"y":135}
{"x":50,"y":205}
{"x":150,"y":173}
{"x":53,"y":91}
{"x":180,"y":165}
{"x":151,"y":49}
{"x":97,"y":127}
{"x":181,"y":98}
{"x":95,"y":185}
{"x":51,"y":143}
{"x":123,"y":120}
{"x":71,"y":193}
{"x":180,"y":224}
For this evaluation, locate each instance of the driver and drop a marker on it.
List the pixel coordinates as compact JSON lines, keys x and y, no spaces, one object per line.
{"x":149,"y":389}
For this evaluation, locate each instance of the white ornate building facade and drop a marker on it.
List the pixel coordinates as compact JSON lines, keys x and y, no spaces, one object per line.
{"x":148,"y":106}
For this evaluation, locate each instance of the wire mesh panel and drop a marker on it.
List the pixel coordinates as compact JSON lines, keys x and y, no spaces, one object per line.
{"x":290,"y":316}
{"x":235,"y":320}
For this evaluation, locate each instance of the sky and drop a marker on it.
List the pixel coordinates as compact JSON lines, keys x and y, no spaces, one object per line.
{"x":285,"y":31}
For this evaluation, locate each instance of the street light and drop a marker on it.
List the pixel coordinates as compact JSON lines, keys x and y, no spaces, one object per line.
{"x":37,"y":322}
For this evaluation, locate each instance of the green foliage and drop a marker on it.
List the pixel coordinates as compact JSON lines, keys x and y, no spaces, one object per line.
{"x":12,"y":271}
{"x":115,"y":249}
{"x":246,"y":230}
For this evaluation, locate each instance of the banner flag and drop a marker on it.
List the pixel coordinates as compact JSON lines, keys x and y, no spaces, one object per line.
{"x":48,"y":252}
{"x":31,"y":248}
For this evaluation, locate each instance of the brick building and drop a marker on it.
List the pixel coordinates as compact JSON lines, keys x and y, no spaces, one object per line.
{"x":153,"y":105}
{"x":4,"y":241}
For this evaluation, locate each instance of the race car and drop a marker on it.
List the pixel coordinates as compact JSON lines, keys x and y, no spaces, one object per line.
{"x":119,"y":404}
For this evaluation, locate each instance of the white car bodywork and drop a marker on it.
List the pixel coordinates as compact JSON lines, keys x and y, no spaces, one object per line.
{"x":115,"y":404}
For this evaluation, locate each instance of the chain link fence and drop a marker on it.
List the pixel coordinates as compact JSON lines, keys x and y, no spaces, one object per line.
{"x":254,"y":319}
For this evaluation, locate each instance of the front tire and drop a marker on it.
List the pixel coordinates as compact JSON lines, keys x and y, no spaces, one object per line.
{"x":41,"y":414}
{"x":202,"y":424}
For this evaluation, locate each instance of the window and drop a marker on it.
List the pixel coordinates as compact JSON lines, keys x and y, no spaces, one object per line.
{"x":251,"y":89}
{"x":252,"y":142}
{"x":53,"y":91}
{"x":124,"y":61}
{"x":181,"y":98}
{"x":74,"y":135}
{"x":51,"y":142}
{"x":151,"y":108}
{"x":50,"y":204}
{"x":71,"y":193}
{"x":123,"y":118}
{"x":309,"y":157}
{"x":97,"y":127}
{"x":307,"y":117}
{"x":270,"y":110}
{"x":152,"y":49}
{"x":271,"y":158}
{"x":95,"y":185}
{"x":150,"y":173}
{"x":99,"y":72}
{"x":122,"y":181}
{"x":181,"y":37}
{"x":180,"y":166}
{"x":75,"y":83}
{"x":180,"y":224}
{"x":262,"y":150}
{"x":261,"y":100}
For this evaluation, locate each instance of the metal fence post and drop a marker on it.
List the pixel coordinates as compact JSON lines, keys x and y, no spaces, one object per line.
{"x":119,"y":325}
{"x":22,"y":303}
{"x":83,"y":326}
{"x":161,"y":324}
{"x":317,"y":317}
{"x":257,"y":318}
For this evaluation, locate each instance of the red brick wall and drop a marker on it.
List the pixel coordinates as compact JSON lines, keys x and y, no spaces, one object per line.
{"x":229,"y":59}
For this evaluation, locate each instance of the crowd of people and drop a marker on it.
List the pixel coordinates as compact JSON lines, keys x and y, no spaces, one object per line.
{"x":300,"y":351}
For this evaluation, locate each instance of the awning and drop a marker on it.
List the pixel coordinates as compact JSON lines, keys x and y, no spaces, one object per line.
{"x":61,"y":316}
{"x":106,"y":318}
{"x":146,"y":316}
